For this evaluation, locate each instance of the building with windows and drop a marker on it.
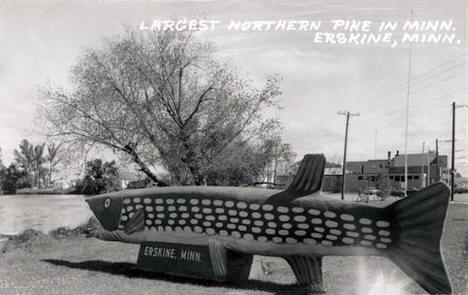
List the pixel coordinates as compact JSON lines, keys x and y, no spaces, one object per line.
{"x":389,"y":174}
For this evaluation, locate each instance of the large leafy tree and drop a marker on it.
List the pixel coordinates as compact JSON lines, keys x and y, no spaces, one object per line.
{"x":160,"y":97}
{"x":100,"y":177}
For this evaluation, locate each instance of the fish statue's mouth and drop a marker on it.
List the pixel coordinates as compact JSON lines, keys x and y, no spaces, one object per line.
{"x":107,"y":210}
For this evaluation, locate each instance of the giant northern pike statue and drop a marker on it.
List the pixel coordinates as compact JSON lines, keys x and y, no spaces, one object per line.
{"x":213,"y":232}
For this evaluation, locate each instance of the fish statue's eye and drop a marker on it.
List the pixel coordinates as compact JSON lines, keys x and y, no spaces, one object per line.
{"x":107,"y":203}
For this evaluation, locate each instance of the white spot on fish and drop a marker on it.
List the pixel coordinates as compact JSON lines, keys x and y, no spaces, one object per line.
{"x":219,"y":210}
{"x":369,"y":237}
{"x":299,"y":218}
{"x":270,"y":231}
{"x":381,"y":246}
{"x":136,"y":200}
{"x":171,"y":222}
{"x":284,"y":218}
{"x":330,"y":223}
{"x":283,"y":232}
{"x":222,"y":217}
{"x":309,"y":241}
{"x":272,"y":224}
{"x":256,"y":230}
{"x":168,"y":228}
{"x":124,"y":218}
{"x":223,"y":233}
{"x":180,"y":201}
{"x":210,"y":218}
{"x":207,"y":210}
{"x":160,"y":228}
{"x":178,"y":229}
{"x":194,"y":201}
{"x":183,"y":208}
{"x":316,"y":235}
{"x":206,"y":202}
{"x":129,"y":208}
{"x":236,"y":234}
{"x":366,"y":243}
{"x":248,"y":237}
{"x":303,"y":226}
{"x":195,"y":209}
{"x":297,"y":209}
{"x":159,"y":208}
{"x":123,"y":211}
{"x":347,"y":217}
{"x":206,"y":224}
{"x":386,"y":240}
{"x":349,"y":226}
{"x":352,"y":234}
{"x":169,"y":201}
{"x":384,"y":233}
{"x":383,"y":223}
{"x":243,"y":214}
{"x":366,"y":230}
{"x":262,"y":239}
{"x":267,"y":207}
{"x":149,"y":209}
{"x":286,"y":225}
{"x":348,"y":240}
{"x":171,"y":208}
{"x":231,"y":226}
{"x":147,"y":201}
{"x":148,"y":222}
{"x":314,"y":212}
{"x":316,"y":221}
{"x":131,"y":214}
{"x":158,"y":201}
{"x":198,"y":215}
{"x":331,"y":237}
{"x":335,"y":231}
{"x":277,"y":240}
{"x":173,"y":215}
{"x":126,"y":201}
{"x":217,"y":202}
{"x":300,"y":232}
{"x":329,"y":214}
{"x":138,"y":206}
{"x":229,"y":204}
{"x":181,"y":222}
{"x":365,"y":221}
{"x":242,"y":228}
{"x":326,"y":243}
{"x":256,"y":215}
{"x":160,"y":215}
{"x":232,"y":212}
{"x":282,"y":209}
{"x":151,"y":215}
{"x":157,"y":221}
{"x":241,"y":205}
{"x":246,"y":221}
{"x":193,"y":221}
{"x":290,"y":240}
{"x":319,"y":229}
{"x":198,"y":229}
{"x":219,"y":224}
{"x":258,"y":222}
{"x":234,"y":220}
{"x":185,"y":215}
{"x":269,"y":216}
{"x":254,"y":206}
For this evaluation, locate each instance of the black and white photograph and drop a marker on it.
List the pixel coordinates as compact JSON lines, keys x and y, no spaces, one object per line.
{"x":233,"y":147}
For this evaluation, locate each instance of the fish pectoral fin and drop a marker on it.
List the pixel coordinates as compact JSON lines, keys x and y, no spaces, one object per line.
{"x":136,"y":222}
{"x":308,"y":271}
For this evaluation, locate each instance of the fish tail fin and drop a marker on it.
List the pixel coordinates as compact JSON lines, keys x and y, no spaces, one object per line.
{"x":419,"y":221}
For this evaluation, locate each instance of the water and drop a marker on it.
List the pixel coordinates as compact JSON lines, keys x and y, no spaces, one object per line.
{"x":41,"y":212}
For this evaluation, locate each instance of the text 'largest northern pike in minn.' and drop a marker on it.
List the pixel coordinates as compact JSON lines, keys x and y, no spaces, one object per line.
{"x":298,"y":224}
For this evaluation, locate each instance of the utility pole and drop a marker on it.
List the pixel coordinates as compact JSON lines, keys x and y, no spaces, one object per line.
{"x":348,"y":114}
{"x":452,"y":171}
{"x":437,"y":161}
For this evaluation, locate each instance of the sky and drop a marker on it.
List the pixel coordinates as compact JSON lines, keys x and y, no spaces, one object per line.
{"x":41,"y":40}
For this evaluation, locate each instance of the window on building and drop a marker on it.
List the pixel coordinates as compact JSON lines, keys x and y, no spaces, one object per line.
{"x":416,"y":177}
{"x":410,"y":177}
{"x":359,"y":178}
{"x":372,"y":178}
{"x":397,"y":177}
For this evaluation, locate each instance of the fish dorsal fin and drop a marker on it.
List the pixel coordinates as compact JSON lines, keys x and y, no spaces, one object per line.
{"x":307,"y":180}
